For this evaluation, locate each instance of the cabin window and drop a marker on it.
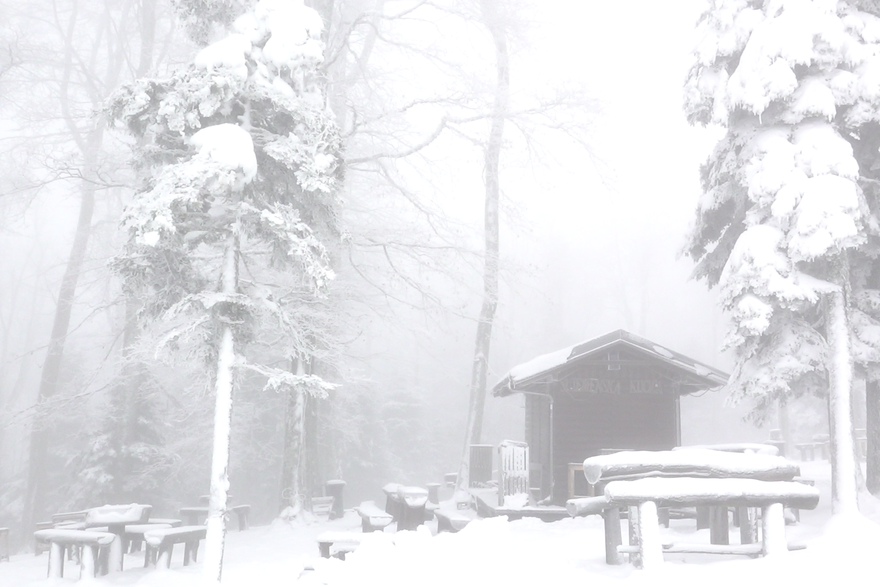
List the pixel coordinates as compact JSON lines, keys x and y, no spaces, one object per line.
{"x":614,"y":361}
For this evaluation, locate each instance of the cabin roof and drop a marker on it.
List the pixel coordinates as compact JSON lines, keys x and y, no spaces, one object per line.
{"x":541,"y":368}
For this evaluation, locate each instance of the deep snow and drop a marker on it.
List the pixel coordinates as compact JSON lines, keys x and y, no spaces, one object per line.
{"x":497,"y":552}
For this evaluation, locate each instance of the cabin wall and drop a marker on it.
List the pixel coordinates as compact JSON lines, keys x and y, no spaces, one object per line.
{"x":585,"y":424}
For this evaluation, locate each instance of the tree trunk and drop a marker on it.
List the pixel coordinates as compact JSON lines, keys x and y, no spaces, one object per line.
{"x":35,"y":507}
{"x":217,"y":505}
{"x":845,"y":493}
{"x":492,"y":158}
{"x":872,"y":416}
{"x":291,"y":466}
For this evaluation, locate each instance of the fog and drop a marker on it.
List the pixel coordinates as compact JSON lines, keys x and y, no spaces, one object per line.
{"x":591,"y":236}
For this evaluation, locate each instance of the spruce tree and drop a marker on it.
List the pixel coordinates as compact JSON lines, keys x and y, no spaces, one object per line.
{"x":786,"y":226}
{"x":230,"y":234}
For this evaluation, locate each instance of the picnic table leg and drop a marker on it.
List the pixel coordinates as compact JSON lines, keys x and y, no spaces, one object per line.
{"x":87,"y":564}
{"x":748,"y":525}
{"x":703,"y":517}
{"x":773,"y":526}
{"x":613,"y":539}
{"x":56,"y":561}
{"x":719,"y":529}
{"x":663,"y":514}
{"x":324,"y":547}
{"x":116,"y":554}
{"x":650,"y":547}
{"x":165,"y":552}
{"x":632,"y":516}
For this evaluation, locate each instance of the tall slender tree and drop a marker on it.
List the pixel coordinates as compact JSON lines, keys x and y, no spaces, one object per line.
{"x":246,"y":162}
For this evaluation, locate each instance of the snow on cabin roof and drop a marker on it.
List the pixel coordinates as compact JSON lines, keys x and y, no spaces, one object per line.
{"x":542,"y":365}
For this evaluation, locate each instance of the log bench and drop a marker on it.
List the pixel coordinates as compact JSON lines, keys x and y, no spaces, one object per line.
{"x":449,"y":520}
{"x":406,"y":505}
{"x":644,"y":496}
{"x":94,"y":547}
{"x":373,"y":519}
{"x":160,"y":544}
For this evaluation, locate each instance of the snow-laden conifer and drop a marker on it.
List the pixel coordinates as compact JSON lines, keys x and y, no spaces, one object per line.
{"x":231,"y":229}
{"x":786,"y":219}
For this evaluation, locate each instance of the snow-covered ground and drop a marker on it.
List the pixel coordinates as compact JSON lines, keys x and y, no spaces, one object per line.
{"x":497,"y":552}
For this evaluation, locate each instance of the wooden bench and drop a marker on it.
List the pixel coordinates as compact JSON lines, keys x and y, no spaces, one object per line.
{"x":373,"y":519}
{"x":644,"y":496}
{"x":406,"y":505}
{"x":94,"y":547}
{"x":449,"y":520}
{"x":160,"y":544}
{"x":241,"y":512}
{"x":133,"y":536}
{"x":344,"y":541}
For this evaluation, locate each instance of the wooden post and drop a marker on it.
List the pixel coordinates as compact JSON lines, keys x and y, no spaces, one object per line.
{"x":663,"y":515}
{"x":773,"y":529}
{"x":56,"y":561}
{"x":872,"y":422}
{"x":719,"y":529}
{"x":748,"y":525}
{"x":633,"y":521}
{"x":116,"y":554}
{"x":336,"y":489}
{"x":703,"y":517}
{"x":87,"y":564}
{"x":650,"y":548}
{"x":165,"y":552}
{"x":613,"y":539}
{"x":433,"y":492}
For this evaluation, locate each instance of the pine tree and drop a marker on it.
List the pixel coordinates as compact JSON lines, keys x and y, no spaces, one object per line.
{"x":230,"y":235}
{"x":786,"y":227}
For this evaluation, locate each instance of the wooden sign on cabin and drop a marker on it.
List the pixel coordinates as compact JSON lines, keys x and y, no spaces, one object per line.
{"x":615,"y":392}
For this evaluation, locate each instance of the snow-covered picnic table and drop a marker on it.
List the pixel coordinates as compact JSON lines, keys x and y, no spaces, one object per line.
{"x":100,"y":528}
{"x":688,"y":462}
{"x":692,"y":477}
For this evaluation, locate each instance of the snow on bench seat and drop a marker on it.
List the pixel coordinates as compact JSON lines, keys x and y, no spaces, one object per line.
{"x":691,"y":462}
{"x":92,"y":544}
{"x":372,"y":518}
{"x":453,"y":520}
{"x":160,"y":544}
{"x":344,"y":542}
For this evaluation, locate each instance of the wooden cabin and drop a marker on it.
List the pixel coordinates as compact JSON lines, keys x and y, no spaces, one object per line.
{"x":618,"y":391}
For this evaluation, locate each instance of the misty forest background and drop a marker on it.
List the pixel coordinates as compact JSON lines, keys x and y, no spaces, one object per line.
{"x":599,"y":180}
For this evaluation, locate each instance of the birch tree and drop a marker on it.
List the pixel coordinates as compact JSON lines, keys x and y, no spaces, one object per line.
{"x":787,"y":219}
{"x":245,"y":165}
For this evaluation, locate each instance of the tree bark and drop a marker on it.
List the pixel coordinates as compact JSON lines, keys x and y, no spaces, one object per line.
{"x":843,"y":465}
{"x":492,"y":159}
{"x":217,"y":505}
{"x":292,"y":461}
